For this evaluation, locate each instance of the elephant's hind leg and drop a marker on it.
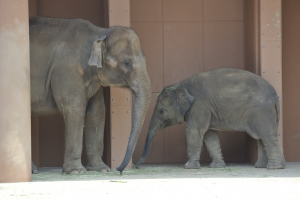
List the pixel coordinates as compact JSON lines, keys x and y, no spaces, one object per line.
{"x":94,"y":133}
{"x":212,"y":143}
{"x":262,"y":160}
{"x":274,"y":153}
{"x":264,"y":127}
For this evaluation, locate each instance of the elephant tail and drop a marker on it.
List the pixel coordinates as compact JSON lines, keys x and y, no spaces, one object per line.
{"x":277,"y":107}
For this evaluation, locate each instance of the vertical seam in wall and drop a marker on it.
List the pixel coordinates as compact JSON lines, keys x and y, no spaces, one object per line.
{"x":258,"y":55}
{"x":163,"y":66}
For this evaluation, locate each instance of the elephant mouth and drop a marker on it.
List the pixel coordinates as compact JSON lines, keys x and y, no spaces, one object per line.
{"x":166,"y":124}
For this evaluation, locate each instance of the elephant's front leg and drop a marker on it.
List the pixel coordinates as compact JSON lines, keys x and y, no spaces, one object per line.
{"x":194,"y":142}
{"x":94,"y":133}
{"x":195,"y":129}
{"x":74,"y":118}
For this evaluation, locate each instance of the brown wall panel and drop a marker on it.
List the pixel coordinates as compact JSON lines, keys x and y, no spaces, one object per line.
{"x":291,"y":81}
{"x":151,"y":37}
{"x":35,"y":140}
{"x":223,"y":10}
{"x":91,"y":10}
{"x":175,"y":144}
{"x":185,"y":38}
{"x":252,"y":36}
{"x":156,"y":154}
{"x":223,"y":45}
{"x":182,"y":51}
{"x":146,"y":10}
{"x":252,"y":59}
{"x":32,"y":9}
{"x":233,"y":146}
{"x":52,"y":137}
{"x":178,"y":10}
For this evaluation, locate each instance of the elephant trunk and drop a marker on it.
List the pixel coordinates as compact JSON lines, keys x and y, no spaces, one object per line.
{"x":142,"y":93}
{"x":151,"y":133}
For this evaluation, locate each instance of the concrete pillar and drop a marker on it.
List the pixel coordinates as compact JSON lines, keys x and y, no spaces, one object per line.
{"x":120,"y":98}
{"x":271,"y":50}
{"x":15,"y":145}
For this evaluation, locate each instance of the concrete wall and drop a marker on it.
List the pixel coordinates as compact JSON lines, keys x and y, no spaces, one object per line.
{"x":15,"y":158}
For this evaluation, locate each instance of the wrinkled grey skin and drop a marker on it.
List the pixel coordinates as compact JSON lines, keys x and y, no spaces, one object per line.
{"x":220,"y":100}
{"x":71,"y":61}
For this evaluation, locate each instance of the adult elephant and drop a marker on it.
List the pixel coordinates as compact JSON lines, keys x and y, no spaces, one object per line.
{"x":71,"y":61}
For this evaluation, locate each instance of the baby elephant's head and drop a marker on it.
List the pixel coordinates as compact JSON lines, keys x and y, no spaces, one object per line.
{"x":171,"y":106}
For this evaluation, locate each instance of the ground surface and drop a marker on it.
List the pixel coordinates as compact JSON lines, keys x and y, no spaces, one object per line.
{"x":236,"y":181}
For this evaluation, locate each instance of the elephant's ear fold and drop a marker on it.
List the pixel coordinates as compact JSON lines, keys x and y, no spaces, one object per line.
{"x":97,"y":52}
{"x":184,"y":100}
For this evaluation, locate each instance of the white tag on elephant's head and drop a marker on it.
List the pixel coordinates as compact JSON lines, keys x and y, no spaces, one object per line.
{"x":97,"y":52}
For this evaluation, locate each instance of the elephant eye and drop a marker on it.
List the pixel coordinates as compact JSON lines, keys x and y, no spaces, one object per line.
{"x":162,"y":112}
{"x":127,"y":63}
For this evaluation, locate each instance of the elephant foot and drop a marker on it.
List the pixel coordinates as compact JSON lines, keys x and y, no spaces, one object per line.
{"x":99,"y":168}
{"x":34,"y":169}
{"x":261,"y":164}
{"x":217,"y":164}
{"x":276,"y":165}
{"x":192,"y":165}
{"x":73,"y":169}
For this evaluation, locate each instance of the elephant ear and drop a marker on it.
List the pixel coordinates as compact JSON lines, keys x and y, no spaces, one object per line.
{"x":97,"y":52}
{"x":184,"y":100}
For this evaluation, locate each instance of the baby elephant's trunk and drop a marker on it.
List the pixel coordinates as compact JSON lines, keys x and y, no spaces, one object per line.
{"x":151,"y":133}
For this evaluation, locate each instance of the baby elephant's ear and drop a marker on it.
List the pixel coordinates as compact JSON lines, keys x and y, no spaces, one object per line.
{"x":97,"y":52}
{"x":184,"y":100}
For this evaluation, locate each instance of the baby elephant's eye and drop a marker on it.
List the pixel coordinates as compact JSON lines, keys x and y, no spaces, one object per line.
{"x":162,"y":112}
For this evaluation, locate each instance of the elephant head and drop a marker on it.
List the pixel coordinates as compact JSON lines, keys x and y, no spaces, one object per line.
{"x":171,"y":108}
{"x":120,"y":62}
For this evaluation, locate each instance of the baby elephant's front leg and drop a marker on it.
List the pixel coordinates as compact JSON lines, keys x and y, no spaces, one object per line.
{"x":194,"y":140}
{"x":212,"y":143}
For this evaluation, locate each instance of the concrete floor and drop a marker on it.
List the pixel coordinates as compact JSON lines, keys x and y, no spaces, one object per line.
{"x":236,"y":181}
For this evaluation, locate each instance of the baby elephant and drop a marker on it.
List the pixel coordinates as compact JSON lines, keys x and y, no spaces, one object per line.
{"x":220,"y":100}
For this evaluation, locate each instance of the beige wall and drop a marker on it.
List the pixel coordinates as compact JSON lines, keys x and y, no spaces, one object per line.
{"x":180,"y":39}
{"x":15,"y":158}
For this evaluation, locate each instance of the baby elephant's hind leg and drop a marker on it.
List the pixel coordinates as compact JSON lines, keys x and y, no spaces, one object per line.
{"x":262,"y":160}
{"x":212,"y":144}
{"x":264,"y":127}
{"x":274,"y":153}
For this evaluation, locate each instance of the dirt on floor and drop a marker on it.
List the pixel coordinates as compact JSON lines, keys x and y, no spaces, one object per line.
{"x":236,"y":181}
{"x":232,"y":170}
